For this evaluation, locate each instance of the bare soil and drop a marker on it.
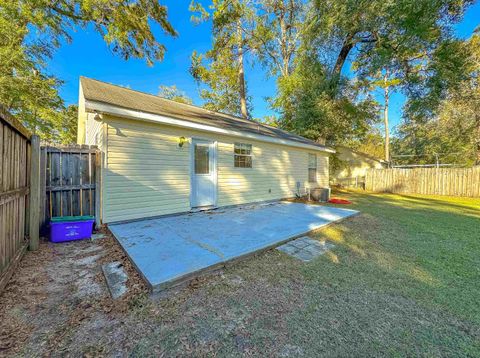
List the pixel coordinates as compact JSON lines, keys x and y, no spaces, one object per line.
{"x":58,"y":301}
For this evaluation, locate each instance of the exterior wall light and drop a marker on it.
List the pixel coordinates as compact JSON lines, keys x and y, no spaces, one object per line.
{"x":181,"y":142}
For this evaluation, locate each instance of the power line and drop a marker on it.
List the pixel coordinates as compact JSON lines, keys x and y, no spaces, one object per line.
{"x":424,"y":155}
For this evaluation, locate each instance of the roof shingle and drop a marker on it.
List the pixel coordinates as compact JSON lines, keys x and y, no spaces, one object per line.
{"x":94,"y":90}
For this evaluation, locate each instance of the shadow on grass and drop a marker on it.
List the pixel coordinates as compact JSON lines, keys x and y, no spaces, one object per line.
{"x":426,"y":249}
{"x":401,"y":280}
{"x":436,"y":203}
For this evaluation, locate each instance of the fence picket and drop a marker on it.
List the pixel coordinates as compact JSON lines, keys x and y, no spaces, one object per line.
{"x":14,"y":193}
{"x":427,"y":181}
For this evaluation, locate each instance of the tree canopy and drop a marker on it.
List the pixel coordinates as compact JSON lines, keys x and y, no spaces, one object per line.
{"x":345,"y":45}
{"x":452,"y":128}
{"x":221,"y":69}
{"x":30,"y":31}
{"x":267,"y":31}
{"x":174,"y":94}
{"x":405,"y":36}
{"x":309,"y":109}
{"x":326,"y":57}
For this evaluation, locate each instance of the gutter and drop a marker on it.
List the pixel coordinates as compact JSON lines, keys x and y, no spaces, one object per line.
{"x":104,"y":108}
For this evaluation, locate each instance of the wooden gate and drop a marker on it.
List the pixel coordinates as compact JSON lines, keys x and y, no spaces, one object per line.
{"x":68,"y":178}
{"x":15,"y":151}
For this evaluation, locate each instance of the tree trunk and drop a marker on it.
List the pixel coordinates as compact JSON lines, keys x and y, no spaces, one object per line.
{"x":477,"y":161}
{"x":283,"y":42}
{"x":241,"y":74}
{"x":477,"y":138}
{"x":385,"y":118}
{"x":342,"y":57}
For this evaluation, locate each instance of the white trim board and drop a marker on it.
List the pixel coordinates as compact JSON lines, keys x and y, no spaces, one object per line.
{"x":104,"y":108}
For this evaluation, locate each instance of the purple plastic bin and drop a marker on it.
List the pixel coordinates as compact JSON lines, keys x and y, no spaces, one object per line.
{"x":63,"y":229}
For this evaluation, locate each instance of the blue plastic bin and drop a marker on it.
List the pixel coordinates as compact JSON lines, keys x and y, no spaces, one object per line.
{"x":68,"y":228}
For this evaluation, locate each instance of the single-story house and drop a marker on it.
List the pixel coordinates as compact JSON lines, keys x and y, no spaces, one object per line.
{"x":161,"y":157}
{"x":352,"y":166}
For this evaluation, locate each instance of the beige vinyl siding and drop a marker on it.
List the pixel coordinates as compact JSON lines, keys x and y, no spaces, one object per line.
{"x":82,"y":118}
{"x":322,"y":171}
{"x":93,"y":131}
{"x":89,"y":131}
{"x":147,"y":174}
{"x":274,"y":173}
{"x":354,"y":164}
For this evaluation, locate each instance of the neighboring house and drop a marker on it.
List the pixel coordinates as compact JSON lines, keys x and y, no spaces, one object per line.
{"x":162,"y":157}
{"x":352,"y":166}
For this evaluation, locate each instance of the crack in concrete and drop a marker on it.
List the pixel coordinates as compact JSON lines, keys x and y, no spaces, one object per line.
{"x":205,"y":247}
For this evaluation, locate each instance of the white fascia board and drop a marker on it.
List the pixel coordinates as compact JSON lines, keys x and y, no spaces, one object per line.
{"x":100,"y":107}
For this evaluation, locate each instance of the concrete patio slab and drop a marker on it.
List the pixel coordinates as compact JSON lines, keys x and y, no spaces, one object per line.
{"x":172,"y":249}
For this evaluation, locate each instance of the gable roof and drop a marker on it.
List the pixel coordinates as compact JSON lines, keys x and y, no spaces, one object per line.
{"x":100,"y":92}
{"x":366,"y":155}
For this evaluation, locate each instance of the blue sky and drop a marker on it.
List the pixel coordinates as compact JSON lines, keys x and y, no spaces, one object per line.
{"x":87,"y":55}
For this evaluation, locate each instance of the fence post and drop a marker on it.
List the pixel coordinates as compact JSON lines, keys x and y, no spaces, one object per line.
{"x":98,"y":188}
{"x":43,"y":191}
{"x":34,"y":206}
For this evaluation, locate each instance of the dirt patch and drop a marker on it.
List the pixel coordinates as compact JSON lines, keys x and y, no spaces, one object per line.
{"x":58,"y":298}
{"x":23,"y":296}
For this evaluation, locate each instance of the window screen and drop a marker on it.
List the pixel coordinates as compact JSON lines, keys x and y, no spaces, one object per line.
{"x":312,"y":168}
{"x":202,"y":161}
{"x":242,"y":155}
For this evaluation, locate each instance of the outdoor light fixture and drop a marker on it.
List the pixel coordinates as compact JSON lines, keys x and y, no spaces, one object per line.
{"x":181,"y":142}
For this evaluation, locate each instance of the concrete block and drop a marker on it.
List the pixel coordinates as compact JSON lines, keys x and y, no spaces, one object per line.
{"x":288,"y":249}
{"x":97,"y":236}
{"x":116,"y":278}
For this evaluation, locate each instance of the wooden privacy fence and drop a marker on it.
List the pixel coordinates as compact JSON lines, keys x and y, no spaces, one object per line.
{"x":37,"y":184}
{"x":430,"y":181}
{"x":350,"y":182}
{"x":18,"y":149}
{"x":68,"y":177}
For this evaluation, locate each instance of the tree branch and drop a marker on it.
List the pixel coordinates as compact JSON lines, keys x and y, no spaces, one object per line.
{"x":69,"y":14}
{"x":347,"y":46}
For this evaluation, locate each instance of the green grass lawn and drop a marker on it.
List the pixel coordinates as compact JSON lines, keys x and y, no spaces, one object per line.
{"x":403,"y":280}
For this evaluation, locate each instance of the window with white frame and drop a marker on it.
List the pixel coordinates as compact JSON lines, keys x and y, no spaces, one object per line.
{"x":312,"y":168}
{"x":242,"y":155}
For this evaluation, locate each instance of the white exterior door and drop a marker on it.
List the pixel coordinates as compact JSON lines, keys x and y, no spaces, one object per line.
{"x":204,"y":173}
